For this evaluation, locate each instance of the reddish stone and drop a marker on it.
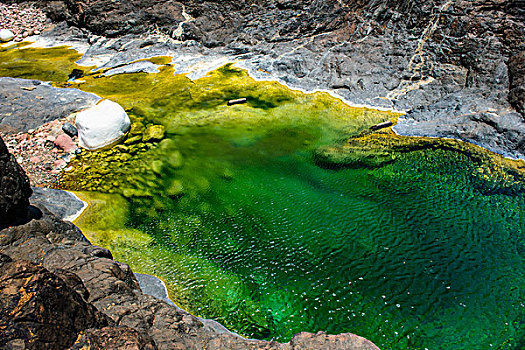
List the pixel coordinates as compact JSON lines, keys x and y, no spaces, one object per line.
{"x":65,"y":142}
{"x":35,"y":159}
{"x":59,"y":163}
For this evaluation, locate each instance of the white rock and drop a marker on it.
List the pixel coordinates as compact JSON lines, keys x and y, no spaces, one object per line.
{"x":102,"y":125}
{"x":6,"y":35}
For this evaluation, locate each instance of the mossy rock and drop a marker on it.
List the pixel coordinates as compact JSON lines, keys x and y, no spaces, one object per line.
{"x":175,"y":189}
{"x":133,"y":139}
{"x":175,"y":159}
{"x":154,"y":133}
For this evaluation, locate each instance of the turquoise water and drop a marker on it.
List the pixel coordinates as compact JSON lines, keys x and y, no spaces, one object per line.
{"x":424,"y":252}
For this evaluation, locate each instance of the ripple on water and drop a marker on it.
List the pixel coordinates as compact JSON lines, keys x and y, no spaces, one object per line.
{"x":410,"y":255}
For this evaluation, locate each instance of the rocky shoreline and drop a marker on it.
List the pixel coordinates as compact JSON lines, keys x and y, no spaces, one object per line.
{"x":456,"y":68}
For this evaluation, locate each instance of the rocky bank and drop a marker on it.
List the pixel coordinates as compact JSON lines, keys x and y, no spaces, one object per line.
{"x":456,"y":67}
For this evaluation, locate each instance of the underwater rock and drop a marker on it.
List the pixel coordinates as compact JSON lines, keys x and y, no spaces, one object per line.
{"x":175,"y":159}
{"x":14,"y":188}
{"x":102,"y":125}
{"x":6,"y":35}
{"x":154,"y":133}
{"x":175,"y":189}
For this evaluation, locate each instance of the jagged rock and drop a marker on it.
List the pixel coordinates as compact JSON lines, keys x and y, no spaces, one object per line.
{"x":123,"y":338}
{"x":14,"y":189}
{"x":102,"y":125}
{"x":517,"y":82}
{"x":320,"y":340}
{"x":40,"y":309}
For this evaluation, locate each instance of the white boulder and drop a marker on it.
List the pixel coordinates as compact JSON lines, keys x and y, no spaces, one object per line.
{"x":6,"y":35}
{"x":102,"y":125}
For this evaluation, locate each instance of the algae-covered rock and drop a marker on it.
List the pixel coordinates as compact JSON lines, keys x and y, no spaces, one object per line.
{"x":175,"y":189}
{"x":154,"y":133}
{"x":102,"y":125}
{"x":133,"y":139}
{"x":156,"y":166}
{"x":137,"y":128}
{"x":175,"y":159}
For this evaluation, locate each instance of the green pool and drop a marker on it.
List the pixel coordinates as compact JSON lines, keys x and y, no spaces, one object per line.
{"x":411,"y":243}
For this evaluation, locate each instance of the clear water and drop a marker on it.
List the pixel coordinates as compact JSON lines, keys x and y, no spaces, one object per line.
{"x":426,"y":252}
{"x":421,"y":253}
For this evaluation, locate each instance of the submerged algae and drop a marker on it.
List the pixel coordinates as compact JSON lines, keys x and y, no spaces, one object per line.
{"x":409,"y":242}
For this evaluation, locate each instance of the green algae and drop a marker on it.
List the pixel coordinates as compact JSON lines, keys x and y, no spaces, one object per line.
{"x":53,"y":64}
{"x":104,"y":225}
{"x":164,"y":101}
{"x":411,"y":242}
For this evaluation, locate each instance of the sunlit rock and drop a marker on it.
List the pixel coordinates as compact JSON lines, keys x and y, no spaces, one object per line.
{"x":102,"y":125}
{"x":6,"y":35}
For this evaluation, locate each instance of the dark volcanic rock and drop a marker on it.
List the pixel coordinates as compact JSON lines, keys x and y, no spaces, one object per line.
{"x":517,"y":82}
{"x":14,"y":189}
{"x":24,"y":109}
{"x":70,"y":129}
{"x":39,"y":308}
{"x":400,"y":54}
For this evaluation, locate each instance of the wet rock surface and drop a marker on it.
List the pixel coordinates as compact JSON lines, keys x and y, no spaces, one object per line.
{"x":428,"y":57}
{"x":14,"y":189}
{"x":27,"y":104}
{"x":63,"y":204}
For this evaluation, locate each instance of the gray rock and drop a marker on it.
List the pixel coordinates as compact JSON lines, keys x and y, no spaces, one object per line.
{"x":70,"y":129}
{"x":21,"y":109}
{"x":135,"y":67}
{"x":63,"y":204}
{"x":153,"y":286}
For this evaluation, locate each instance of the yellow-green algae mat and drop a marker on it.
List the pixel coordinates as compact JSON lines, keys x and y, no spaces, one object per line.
{"x":286,"y":214}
